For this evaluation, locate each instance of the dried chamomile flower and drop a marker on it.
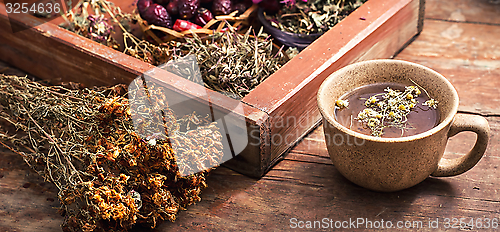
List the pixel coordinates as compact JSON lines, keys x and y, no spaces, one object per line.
{"x":391,"y":92}
{"x":371,"y":100}
{"x":431,"y":103}
{"x":361,"y":115}
{"x":342,"y":104}
{"x":370,"y":112}
{"x":392,"y":109}
{"x":392,"y":102}
{"x":372,"y":122}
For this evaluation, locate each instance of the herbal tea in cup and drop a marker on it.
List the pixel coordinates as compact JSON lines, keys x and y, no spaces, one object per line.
{"x":387,"y":110}
{"x":400,"y":116}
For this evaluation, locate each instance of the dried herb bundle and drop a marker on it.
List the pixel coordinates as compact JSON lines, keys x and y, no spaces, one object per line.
{"x":312,"y":16}
{"x":93,"y":25}
{"x":233,"y":63}
{"x":84,"y":142}
{"x":96,"y":20}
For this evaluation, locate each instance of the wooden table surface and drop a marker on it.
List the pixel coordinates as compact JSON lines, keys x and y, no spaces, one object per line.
{"x":460,"y":39}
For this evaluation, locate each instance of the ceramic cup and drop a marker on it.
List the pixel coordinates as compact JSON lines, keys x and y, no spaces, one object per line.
{"x":392,"y":164}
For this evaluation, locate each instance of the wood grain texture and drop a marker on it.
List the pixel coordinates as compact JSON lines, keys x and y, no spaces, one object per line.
{"x":305,"y":185}
{"x":468,"y":55}
{"x":27,"y":202}
{"x":475,"y":11}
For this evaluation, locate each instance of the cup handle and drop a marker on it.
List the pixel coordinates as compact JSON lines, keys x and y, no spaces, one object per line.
{"x":465,"y":122}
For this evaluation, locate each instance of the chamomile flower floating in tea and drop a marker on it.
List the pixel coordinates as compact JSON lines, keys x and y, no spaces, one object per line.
{"x":342,"y":103}
{"x":388,"y":110}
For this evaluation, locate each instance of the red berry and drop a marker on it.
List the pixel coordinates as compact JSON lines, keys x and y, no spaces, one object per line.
{"x":188,"y":8}
{"x":182,"y":25}
{"x":240,"y":7}
{"x":142,"y":5}
{"x":157,"y":14}
{"x":198,"y":20}
{"x":203,"y":16}
{"x":222,"y":7}
{"x":173,"y":7}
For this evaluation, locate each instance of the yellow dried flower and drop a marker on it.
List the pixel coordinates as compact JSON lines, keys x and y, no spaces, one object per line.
{"x":371,"y":100}
{"x":342,"y":103}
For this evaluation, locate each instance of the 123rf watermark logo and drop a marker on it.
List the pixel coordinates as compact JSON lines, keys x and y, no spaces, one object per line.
{"x":463,"y":223}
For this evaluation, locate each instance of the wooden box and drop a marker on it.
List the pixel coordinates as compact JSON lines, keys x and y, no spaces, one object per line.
{"x":276,"y":114}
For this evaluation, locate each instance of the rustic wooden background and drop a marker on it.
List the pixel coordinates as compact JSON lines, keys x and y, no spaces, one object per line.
{"x":460,"y":39}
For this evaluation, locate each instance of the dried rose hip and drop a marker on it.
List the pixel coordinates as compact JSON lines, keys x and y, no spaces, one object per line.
{"x":157,"y":14}
{"x":198,"y":20}
{"x":188,"y":8}
{"x":142,"y":5}
{"x":240,"y":7}
{"x":222,"y":7}
{"x":203,"y":16}
{"x":173,"y":7}
{"x":182,"y":25}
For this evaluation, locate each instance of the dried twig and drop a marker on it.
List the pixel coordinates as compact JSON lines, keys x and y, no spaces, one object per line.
{"x":84,"y":141}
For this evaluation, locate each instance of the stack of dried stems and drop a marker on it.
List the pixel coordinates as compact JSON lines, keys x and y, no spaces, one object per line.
{"x":83,"y":141}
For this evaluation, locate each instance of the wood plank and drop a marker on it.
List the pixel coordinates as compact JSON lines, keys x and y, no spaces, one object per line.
{"x":27,"y":203}
{"x":317,"y":133}
{"x":478,"y":11}
{"x":308,"y":187}
{"x":468,"y":55}
{"x":311,"y":146}
{"x":269,"y":204}
{"x":8,"y":70}
{"x":302,"y":186}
